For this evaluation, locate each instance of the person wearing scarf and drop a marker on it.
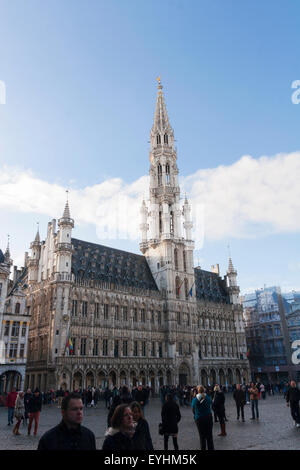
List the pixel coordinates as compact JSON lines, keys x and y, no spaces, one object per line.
{"x":119,"y":436}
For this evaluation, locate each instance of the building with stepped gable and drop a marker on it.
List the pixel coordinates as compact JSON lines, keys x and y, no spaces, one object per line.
{"x":101,"y":316}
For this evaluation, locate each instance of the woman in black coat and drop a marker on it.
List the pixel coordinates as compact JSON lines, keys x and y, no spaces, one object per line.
{"x":142,"y":437}
{"x":170,"y":415}
{"x":119,"y":435}
{"x":218,"y":407}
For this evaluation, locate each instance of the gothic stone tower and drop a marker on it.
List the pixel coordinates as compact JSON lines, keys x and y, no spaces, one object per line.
{"x":168,"y":250}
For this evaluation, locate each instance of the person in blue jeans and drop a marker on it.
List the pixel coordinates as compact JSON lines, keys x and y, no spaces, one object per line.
{"x":254,"y":400}
{"x":201,"y":406}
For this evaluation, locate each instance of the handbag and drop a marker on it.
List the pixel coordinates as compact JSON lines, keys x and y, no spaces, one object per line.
{"x":160,"y":429}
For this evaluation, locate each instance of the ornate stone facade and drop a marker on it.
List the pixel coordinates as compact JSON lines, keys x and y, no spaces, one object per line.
{"x":14,"y":325}
{"x":153,"y":319}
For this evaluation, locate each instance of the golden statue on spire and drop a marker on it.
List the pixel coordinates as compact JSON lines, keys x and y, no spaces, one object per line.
{"x":159,"y":83}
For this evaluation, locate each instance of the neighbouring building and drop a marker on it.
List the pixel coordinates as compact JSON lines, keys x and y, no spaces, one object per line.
{"x":272,"y":324}
{"x":14,"y":324}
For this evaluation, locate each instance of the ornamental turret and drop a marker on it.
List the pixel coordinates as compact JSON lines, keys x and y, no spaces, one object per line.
{"x":63,"y":245}
{"x":233,"y":288}
{"x":34,"y":259}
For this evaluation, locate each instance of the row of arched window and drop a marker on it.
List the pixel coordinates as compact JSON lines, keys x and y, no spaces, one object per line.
{"x":176,"y":260}
{"x":166,"y":139}
{"x":159,"y":174}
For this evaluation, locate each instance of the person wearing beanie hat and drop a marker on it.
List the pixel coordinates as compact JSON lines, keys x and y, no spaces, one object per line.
{"x":34,"y":409}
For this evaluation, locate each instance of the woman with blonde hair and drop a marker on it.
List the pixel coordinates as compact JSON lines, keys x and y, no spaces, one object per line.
{"x":19,"y":412}
{"x":201,"y":406}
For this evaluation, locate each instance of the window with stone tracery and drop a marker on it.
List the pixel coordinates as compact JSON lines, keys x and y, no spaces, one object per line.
{"x":176,"y":259}
{"x":105,"y":311}
{"x":177,"y":286}
{"x":160,"y":222}
{"x":186,"y":288}
{"x":167,"y":173}
{"x":171,"y":221}
{"x":159,"y":174}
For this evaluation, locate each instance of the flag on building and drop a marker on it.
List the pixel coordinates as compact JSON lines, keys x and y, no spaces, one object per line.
{"x":70,"y":346}
{"x":191,"y":290}
{"x":180,"y":287}
{"x":248,"y":353}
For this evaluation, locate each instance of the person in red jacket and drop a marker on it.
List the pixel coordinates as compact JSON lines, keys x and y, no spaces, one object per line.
{"x":10,"y":403}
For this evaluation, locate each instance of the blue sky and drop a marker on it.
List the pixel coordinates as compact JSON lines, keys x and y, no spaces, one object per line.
{"x":80,"y":96}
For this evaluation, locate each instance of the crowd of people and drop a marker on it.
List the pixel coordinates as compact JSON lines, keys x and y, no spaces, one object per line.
{"x":127,"y":427}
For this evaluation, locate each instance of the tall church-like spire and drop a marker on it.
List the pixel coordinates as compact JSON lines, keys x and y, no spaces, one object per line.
{"x":161,"y":133}
{"x":230,"y":269}
{"x":7,"y":257}
{"x":161,"y":119}
{"x":168,"y":251}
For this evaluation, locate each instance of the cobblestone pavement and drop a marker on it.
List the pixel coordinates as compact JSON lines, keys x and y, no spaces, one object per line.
{"x":274,"y":429}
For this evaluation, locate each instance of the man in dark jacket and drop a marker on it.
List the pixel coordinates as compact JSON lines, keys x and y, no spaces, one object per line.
{"x":292,"y":399}
{"x":34,"y":409}
{"x":218,"y":406}
{"x":140,"y":396}
{"x":239,"y":397}
{"x":69,"y":434}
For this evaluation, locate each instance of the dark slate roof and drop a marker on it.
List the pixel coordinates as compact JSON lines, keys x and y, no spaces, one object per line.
{"x":210,"y":287}
{"x":102,"y":263}
{"x":2,"y":259}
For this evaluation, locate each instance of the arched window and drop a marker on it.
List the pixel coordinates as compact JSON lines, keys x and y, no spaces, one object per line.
{"x":17,"y":308}
{"x":176,"y":259}
{"x":159,"y":174}
{"x":166,"y":139}
{"x":184,"y":261}
{"x":186,"y":288}
{"x":160,"y":222}
{"x":167,"y":173}
{"x":178,"y":286}
{"x":158,"y":141}
{"x":171,"y":221}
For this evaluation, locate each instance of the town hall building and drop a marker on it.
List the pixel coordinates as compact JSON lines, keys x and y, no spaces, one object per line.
{"x":101,"y":316}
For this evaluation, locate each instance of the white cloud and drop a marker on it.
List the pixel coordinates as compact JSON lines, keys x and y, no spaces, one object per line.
{"x":251,"y":198}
